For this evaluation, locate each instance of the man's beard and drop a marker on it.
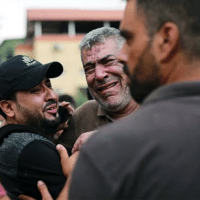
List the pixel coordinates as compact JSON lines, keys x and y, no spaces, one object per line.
{"x":146,"y":76}
{"x":119,"y":104}
{"x":43,"y":125}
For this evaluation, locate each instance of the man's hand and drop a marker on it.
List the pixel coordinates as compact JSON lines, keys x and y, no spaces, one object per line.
{"x":63,"y":126}
{"x":67,"y":167}
{"x":68,"y":106}
{"x":67,"y":162}
{"x":81,"y":140}
{"x":45,"y":192}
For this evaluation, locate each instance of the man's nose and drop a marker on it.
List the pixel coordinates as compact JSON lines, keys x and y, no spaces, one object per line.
{"x":100,"y":72}
{"x":50,"y":94}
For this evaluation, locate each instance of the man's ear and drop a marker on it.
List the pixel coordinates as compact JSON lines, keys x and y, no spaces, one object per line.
{"x":7,"y":107}
{"x":166,"y":42}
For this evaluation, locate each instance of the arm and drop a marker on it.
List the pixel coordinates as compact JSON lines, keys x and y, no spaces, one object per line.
{"x":81,"y":140}
{"x":45,"y":192}
{"x":84,"y":191}
{"x":67,"y":167}
{"x":40,"y":161}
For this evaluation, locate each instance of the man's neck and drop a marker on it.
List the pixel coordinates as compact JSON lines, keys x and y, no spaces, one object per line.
{"x":131,"y":107}
{"x":181,"y":70}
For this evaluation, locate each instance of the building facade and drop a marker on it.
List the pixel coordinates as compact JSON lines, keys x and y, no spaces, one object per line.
{"x":55,"y":34}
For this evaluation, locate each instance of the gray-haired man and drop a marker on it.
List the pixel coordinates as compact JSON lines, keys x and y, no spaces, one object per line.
{"x":107,"y":83}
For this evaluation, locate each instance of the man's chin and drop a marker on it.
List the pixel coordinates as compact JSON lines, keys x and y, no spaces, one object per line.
{"x":51,"y":119}
{"x":113,"y":105}
{"x":50,"y":125}
{"x":140,"y":91}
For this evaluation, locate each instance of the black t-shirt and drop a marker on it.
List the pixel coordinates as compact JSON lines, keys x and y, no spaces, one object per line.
{"x":25,"y":158}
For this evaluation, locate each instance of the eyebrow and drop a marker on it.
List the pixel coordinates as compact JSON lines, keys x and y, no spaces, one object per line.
{"x":102,"y":60}
{"x":88,"y":64}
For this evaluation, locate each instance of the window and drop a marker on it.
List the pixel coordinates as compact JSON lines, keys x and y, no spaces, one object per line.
{"x":54,"y":27}
{"x":115,"y":24}
{"x":83,"y":27}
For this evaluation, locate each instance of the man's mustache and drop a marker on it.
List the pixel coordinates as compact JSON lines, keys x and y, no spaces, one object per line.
{"x":49,"y":103}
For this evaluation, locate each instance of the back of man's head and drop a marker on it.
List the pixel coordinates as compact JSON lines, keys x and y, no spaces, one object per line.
{"x":184,"y":13}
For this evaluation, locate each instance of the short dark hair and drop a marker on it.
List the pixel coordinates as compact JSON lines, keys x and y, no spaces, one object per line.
{"x":184,"y":13}
{"x":9,"y":96}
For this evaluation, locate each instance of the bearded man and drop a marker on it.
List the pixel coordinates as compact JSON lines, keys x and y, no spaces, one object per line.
{"x":30,"y":107}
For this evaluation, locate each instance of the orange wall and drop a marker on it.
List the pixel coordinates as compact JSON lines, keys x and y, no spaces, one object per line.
{"x":64,"y":49}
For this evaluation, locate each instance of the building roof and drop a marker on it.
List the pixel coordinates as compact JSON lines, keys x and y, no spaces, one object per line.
{"x":58,"y":37}
{"x":73,"y":15}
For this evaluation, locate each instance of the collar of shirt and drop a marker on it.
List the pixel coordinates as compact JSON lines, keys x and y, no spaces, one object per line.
{"x":103,"y":113}
{"x":173,"y":90}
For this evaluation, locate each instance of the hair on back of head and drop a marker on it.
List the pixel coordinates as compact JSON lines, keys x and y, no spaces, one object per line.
{"x":184,"y":13}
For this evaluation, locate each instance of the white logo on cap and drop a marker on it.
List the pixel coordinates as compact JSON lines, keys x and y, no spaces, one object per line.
{"x":28,"y":61}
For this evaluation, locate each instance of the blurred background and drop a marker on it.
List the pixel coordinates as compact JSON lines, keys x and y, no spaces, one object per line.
{"x":51,"y":30}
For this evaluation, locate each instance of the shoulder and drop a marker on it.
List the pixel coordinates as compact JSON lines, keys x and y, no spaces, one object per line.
{"x":88,"y":108}
{"x":91,"y":104}
{"x":15,"y":142}
{"x":38,"y":152}
{"x":13,"y":146}
{"x":151,"y":127}
{"x":24,"y":138}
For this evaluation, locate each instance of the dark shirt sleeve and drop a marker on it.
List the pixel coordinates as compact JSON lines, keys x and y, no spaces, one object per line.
{"x":39,"y":160}
{"x":88,"y":181}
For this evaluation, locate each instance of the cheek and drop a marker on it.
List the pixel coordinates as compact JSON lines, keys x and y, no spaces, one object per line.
{"x":117,"y":70}
{"x":132,"y":59}
{"x":36,"y":102}
{"x":90,"y":79}
{"x":135,"y":51}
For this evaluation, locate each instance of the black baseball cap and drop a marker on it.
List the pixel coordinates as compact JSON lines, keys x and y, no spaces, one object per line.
{"x":23,"y":73}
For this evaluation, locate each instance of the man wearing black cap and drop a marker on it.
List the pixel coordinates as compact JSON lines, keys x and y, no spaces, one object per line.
{"x":30,"y":107}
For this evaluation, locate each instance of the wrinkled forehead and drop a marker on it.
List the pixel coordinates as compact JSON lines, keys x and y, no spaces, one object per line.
{"x":100,"y":51}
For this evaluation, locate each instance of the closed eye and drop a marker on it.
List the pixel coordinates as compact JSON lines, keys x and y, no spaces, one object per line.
{"x":48,"y":83}
{"x":35,"y":89}
{"x":109,"y":62}
{"x":89,"y":68}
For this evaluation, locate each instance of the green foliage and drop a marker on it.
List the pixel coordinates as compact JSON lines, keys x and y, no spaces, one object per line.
{"x":7,"y":48}
{"x":81,"y":97}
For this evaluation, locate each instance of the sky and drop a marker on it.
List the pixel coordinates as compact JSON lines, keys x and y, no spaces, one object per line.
{"x":13,"y":12}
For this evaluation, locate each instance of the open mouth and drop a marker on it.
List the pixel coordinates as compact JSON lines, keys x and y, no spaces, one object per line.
{"x":107,"y":87}
{"x":52,"y":109}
